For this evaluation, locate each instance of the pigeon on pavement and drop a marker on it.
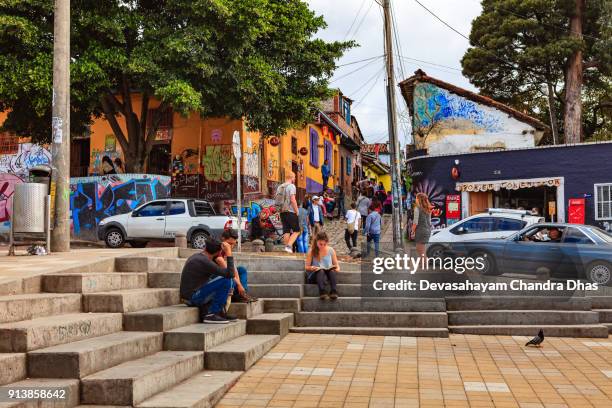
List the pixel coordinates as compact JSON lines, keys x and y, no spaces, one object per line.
{"x":537,"y":340}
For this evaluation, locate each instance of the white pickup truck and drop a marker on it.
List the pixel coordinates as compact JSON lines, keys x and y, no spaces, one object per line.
{"x":161,"y":220}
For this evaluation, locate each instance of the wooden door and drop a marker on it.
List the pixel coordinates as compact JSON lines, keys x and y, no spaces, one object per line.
{"x":479,"y":202}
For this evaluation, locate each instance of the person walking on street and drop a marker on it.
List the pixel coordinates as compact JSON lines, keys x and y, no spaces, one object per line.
{"x":352,"y":227}
{"x":340,"y":203}
{"x":373,"y":227}
{"x":286,"y":201}
{"x":325,"y":173}
{"x":321,"y":262}
{"x":315,"y":216}
{"x":363,"y":203}
{"x":421,"y":225}
{"x":302,"y":241}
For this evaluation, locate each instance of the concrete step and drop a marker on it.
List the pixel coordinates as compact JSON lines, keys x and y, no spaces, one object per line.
{"x":375,"y":331}
{"x":161,"y":319}
{"x":14,"y":308}
{"x":247,"y":310}
{"x":149,"y":264}
{"x":609,"y":326}
{"x":605,"y":315}
{"x":576,"y":330}
{"x":164,"y":279}
{"x":133,"y":382}
{"x":12,"y":367}
{"x":282,"y":305}
{"x":518,"y":303}
{"x":85,"y":357}
{"x":43,"y":332}
{"x":131,"y":300}
{"x":521,"y":317}
{"x":270,"y":263}
{"x":372,"y":319}
{"x":241,"y":353}
{"x":276,"y":290}
{"x":276,"y":277}
{"x":371,"y":304}
{"x":271,"y":323}
{"x":203,"y":390}
{"x":201,"y":336}
{"x":93,"y":282}
{"x":601,"y":302}
{"x":66,"y":389}
{"x":344,"y":290}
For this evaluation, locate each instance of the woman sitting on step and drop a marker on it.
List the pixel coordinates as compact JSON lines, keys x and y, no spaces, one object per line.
{"x":321,"y":261}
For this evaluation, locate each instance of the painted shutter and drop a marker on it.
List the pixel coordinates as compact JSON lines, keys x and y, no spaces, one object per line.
{"x":314,"y":148}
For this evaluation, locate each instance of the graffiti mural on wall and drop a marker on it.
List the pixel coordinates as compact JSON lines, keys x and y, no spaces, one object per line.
{"x":95,"y":198}
{"x":252,"y":166}
{"x":96,"y":156}
{"x":7,"y":188}
{"x":265,"y":207}
{"x":195,"y":186}
{"x":434,"y":105}
{"x":436,"y":196}
{"x":28,"y":156}
{"x":218,"y":162}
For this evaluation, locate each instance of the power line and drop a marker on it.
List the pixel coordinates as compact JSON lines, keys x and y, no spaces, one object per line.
{"x":442,"y":21}
{"x":369,"y":90}
{"x":361,"y":22}
{"x":354,"y":20}
{"x":353,"y":71}
{"x":357,"y":62}
{"x":428,"y":62}
{"x":366,"y":83}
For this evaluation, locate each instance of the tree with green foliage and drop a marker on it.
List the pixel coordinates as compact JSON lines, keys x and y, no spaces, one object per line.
{"x":522,"y":52}
{"x":252,"y":59}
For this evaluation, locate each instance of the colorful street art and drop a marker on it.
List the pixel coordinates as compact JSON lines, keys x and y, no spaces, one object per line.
{"x":7,"y":188}
{"x":252,"y":167}
{"x":436,"y":196}
{"x":28,"y":156}
{"x":95,"y":159}
{"x":196,"y":186}
{"x":265,"y":208}
{"x":218,"y":162}
{"x":95,"y":198}
{"x":433,"y":105}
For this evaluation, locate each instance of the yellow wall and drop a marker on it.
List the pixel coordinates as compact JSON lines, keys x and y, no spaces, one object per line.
{"x":385,"y":178}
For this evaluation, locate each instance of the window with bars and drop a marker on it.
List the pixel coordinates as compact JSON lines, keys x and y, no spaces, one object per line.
{"x":9,"y":143}
{"x":314,"y":148}
{"x":603,"y":201}
{"x":164,"y":128}
{"x":294,"y":146}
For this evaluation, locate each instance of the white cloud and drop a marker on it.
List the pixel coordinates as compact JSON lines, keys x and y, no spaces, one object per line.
{"x":421,"y":36}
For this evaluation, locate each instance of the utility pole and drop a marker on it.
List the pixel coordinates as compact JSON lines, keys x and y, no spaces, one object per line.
{"x":60,"y":148}
{"x":396,"y":188}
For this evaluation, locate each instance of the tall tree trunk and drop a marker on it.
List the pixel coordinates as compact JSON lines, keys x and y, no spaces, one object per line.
{"x":573,"y":81}
{"x":552,"y":109}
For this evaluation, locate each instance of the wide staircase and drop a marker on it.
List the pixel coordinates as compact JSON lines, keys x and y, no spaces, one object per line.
{"x":119,"y":337}
{"x":116,"y":335}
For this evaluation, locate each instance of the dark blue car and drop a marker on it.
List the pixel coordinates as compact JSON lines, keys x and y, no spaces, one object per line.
{"x":564,"y":250}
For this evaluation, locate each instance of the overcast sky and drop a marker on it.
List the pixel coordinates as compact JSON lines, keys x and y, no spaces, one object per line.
{"x":421,"y":37}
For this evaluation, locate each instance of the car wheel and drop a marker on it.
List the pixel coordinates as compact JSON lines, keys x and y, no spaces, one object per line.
{"x":138,"y":244}
{"x":114,"y":238}
{"x":435,"y":251}
{"x":488,"y":261}
{"x":600,"y":272}
{"x":199,"y":238}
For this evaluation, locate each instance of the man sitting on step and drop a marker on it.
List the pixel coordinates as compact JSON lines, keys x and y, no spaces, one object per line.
{"x":206,"y":285}
{"x":240,"y":288}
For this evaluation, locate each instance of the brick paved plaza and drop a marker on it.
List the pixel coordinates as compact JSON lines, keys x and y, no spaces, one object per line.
{"x":480,"y":371}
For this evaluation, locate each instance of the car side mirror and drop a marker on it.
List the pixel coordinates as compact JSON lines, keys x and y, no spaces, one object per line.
{"x":462,"y":230}
{"x":135,"y":214}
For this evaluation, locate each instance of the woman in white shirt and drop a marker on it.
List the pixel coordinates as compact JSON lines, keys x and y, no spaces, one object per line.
{"x":352,"y":227}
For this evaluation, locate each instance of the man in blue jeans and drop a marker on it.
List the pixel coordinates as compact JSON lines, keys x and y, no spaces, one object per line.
{"x":373,"y":227}
{"x":206,"y":285}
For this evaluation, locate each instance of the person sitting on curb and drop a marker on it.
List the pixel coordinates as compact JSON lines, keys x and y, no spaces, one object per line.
{"x":240,"y":293}
{"x":321,"y":261}
{"x":206,"y":285}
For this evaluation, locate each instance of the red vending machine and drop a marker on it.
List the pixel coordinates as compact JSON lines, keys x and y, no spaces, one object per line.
{"x":453,"y":208}
{"x":575,"y":211}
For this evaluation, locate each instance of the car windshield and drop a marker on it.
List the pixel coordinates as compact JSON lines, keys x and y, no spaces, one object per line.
{"x":601,"y":234}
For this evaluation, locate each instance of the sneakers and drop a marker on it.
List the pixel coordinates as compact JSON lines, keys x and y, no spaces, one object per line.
{"x":229,"y":317}
{"x":333,"y":295}
{"x":323,"y":295}
{"x":288,"y":249}
{"x":215,"y":318}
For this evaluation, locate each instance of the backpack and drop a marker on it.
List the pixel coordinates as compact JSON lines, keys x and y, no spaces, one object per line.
{"x":280,"y":199}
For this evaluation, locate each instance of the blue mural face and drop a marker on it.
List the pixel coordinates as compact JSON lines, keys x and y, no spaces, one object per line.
{"x":436,"y":105}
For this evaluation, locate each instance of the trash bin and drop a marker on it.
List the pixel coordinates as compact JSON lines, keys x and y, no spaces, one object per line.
{"x":41,"y":174}
{"x":29,"y":208}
